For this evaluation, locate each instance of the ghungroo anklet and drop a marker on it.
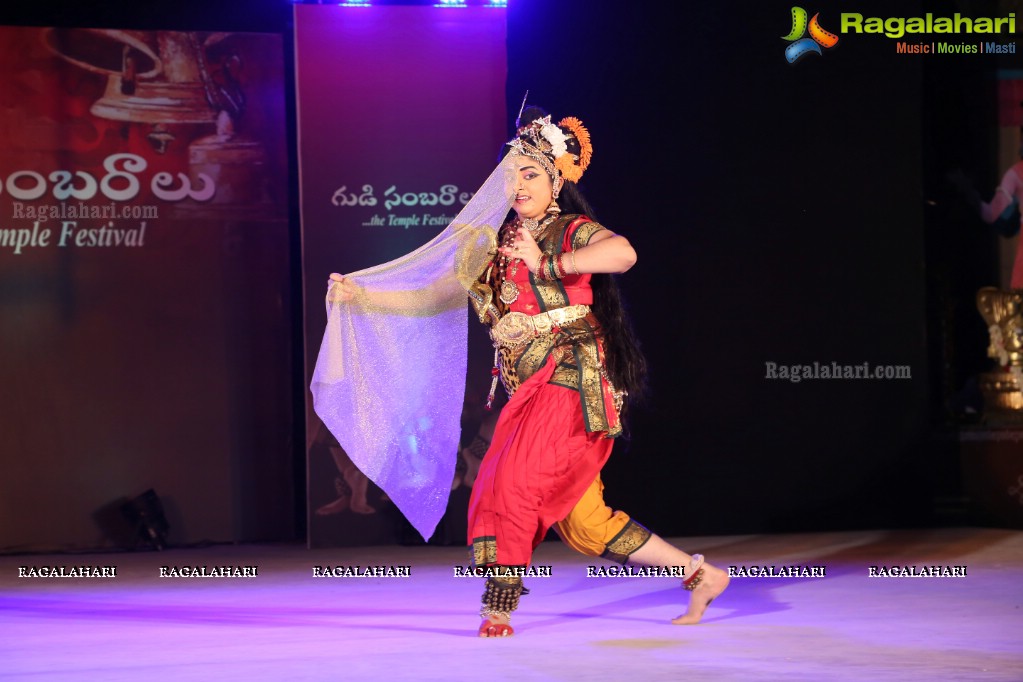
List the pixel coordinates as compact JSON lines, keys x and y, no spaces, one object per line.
{"x":696,"y":570}
{"x":501,"y":596}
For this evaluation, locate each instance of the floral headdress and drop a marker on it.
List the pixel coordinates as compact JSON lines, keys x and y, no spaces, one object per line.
{"x":563,"y":149}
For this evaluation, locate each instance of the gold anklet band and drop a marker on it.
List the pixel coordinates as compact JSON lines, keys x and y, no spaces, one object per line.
{"x":691,"y":582}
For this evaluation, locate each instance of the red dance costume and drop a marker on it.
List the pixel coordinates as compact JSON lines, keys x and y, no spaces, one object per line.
{"x":555,"y":434}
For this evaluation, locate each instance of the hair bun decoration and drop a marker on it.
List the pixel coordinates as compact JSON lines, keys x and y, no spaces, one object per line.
{"x":573,"y":165}
{"x":563,"y":149}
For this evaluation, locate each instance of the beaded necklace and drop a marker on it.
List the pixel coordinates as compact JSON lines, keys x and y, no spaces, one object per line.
{"x":509,"y":291}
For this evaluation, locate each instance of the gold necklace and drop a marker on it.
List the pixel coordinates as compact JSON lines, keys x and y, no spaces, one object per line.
{"x":509,"y":291}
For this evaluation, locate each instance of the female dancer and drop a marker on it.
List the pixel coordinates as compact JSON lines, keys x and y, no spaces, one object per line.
{"x":567,"y":359}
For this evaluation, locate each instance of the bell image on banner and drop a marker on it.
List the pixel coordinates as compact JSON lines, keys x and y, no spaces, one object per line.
{"x":173,"y":84}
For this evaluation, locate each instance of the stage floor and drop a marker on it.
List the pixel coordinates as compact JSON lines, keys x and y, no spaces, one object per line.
{"x":287,"y":624}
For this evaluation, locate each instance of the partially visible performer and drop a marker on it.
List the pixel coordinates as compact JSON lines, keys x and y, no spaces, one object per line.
{"x":1002,"y":211}
{"x":1009,"y":192}
{"x":566,"y":356}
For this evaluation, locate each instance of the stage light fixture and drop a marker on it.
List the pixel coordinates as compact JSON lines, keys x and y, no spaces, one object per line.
{"x":145,"y":513}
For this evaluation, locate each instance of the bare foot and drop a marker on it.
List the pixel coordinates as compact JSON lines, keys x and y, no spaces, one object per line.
{"x":360,"y":487}
{"x":340,"y":504}
{"x":713,"y":583}
{"x":336,"y":507}
{"x":496,"y":625}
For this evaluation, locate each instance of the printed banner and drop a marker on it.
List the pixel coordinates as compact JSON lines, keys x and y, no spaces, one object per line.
{"x":143,"y":281}
{"x":401,"y":116}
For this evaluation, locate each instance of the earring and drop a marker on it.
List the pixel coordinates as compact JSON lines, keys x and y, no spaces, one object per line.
{"x":555,"y":191}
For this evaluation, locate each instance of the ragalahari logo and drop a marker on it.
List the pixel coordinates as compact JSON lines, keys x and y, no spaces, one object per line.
{"x":801,"y":46}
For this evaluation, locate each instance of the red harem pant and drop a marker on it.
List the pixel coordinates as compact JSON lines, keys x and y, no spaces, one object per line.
{"x":540,"y":463}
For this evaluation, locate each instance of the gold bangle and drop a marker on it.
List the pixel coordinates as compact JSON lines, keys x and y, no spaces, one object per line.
{"x":539,"y":260}
{"x":571,"y":256}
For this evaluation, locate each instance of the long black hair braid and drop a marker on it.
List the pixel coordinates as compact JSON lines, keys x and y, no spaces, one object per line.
{"x":624,"y":360}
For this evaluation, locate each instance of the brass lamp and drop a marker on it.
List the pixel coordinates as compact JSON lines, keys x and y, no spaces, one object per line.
{"x":1003,"y":313}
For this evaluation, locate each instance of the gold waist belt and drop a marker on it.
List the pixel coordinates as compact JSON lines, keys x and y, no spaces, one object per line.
{"x":517,"y":328}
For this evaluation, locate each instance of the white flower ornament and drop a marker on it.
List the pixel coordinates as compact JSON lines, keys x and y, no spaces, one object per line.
{"x":554,"y":135}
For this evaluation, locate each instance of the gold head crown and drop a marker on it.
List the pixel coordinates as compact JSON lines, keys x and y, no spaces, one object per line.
{"x":563,"y":149}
